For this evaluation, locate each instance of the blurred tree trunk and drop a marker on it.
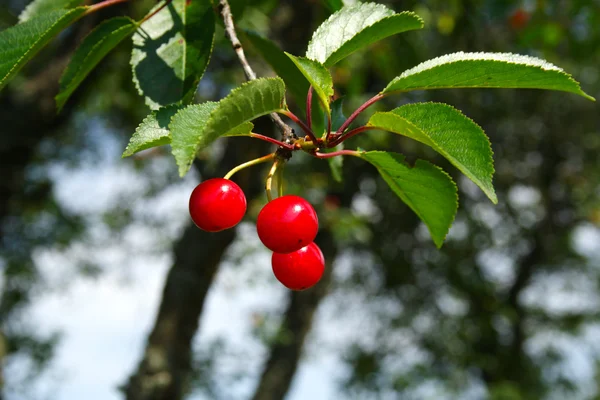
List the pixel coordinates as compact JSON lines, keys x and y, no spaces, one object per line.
{"x":164,"y":372}
{"x":285,"y":354}
{"x":165,"y":369}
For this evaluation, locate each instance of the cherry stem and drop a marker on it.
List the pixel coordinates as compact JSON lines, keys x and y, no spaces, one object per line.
{"x":302,"y":125}
{"x":280,"y":181}
{"x":103,"y":4}
{"x":360,"y":109}
{"x":351,"y":133}
{"x":249,"y":164}
{"x":309,"y":107}
{"x":269,"y":182}
{"x":337,"y":153}
{"x":271,"y":140}
{"x":152,"y":14}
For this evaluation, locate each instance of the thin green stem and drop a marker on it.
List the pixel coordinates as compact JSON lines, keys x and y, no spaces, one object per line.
{"x":269,"y":182}
{"x":280,"y":181}
{"x":360,"y":109}
{"x":249,"y":164}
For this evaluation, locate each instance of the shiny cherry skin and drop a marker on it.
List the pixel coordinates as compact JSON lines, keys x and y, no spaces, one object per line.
{"x":217,"y":204}
{"x":287,"y":224}
{"x":301,"y":269}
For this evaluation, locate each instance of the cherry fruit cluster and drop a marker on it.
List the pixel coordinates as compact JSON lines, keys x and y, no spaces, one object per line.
{"x":287,"y":226}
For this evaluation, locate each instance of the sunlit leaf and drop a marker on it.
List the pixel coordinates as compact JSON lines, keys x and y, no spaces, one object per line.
{"x":485,"y":70}
{"x":450,"y":133}
{"x":196,"y":126}
{"x":318,"y":76}
{"x":171,"y":52}
{"x":355,"y":27}
{"x":19,"y":43}
{"x":153,"y":131}
{"x":41,"y":7}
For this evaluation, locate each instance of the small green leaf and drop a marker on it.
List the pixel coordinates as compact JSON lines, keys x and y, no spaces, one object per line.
{"x":18,"y":44}
{"x":337,"y":114}
{"x":153,"y":131}
{"x":485,"y":70}
{"x":450,"y":133}
{"x":285,"y":68}
{"x":336,"y":163}
{"x":171,"y":52}
{"x":355,"y":27}
{"x":197,"y":126}
{"x":92,"y":50}
{"x":425,"y":188}
{"x":318,"y":76}
{"x":41,"y":7}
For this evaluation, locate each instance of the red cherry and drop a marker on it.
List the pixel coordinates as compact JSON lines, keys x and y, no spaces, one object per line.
{"x":287,"y":224}
{"x":301,"y":269}
{"x":217,"y":204}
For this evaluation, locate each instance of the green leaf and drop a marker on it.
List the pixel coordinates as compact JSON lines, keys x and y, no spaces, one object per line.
{"x":336,"y":163}
{"x":485,"y":70}
{"x":241,"y":130}
{"x":171,"y":52}
{"x":425,"y":188}
{"x":92,"y":50}
{"x":333,"y":5}
{"x":318,"y":76}
{"x":283,"y":66}
{"x":450,"y":133}
{"x":295,"y":82}
{"x":153,"y":131}
{"x":18,"y":44}
{"x":187,"y":129}
{"x":41,"y":7}
{"x":337,"y":114}
{"x":355,"y":27}
{"x":196,"y":126}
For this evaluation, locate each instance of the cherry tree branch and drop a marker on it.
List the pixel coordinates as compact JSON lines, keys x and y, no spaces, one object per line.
{"x":225,"y":10}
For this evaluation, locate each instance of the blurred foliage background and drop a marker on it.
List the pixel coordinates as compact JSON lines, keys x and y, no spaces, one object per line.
{"x":507,"y":309}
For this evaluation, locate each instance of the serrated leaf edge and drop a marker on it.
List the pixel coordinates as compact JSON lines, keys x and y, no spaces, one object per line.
{"x":326,"y":63}
{"x":17,"y":65}
{"x":421,"y":161}
{"x":335,"y":15}
{"x":136,"y":81}
{"x":507,"y":58}
{"x":492,"y":196}
{"x":185,"y":168}
{"x":128,"y":152}
{"x":324,"y":98}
